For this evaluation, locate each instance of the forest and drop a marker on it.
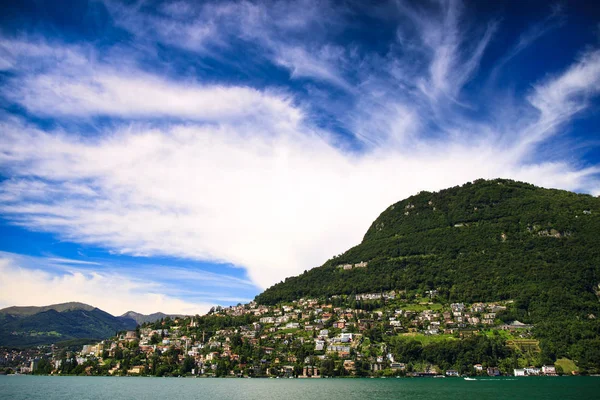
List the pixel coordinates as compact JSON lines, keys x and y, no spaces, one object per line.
{"x":483,"y":241}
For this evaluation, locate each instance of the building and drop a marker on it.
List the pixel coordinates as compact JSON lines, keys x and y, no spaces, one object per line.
{"x":549,"y":370}
{"x":310,"y":371}
{"x":397,"y":366}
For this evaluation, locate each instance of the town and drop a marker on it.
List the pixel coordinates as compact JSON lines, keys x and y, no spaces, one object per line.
{"x":369,"y":334}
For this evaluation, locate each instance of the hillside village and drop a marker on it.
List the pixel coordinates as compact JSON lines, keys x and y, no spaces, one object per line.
{"x":368,"y":334}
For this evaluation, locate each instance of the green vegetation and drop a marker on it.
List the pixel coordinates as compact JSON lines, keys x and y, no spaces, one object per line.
{"x":30,"y":326}
{"x":483,"y":241}
{"x":567,"y":366}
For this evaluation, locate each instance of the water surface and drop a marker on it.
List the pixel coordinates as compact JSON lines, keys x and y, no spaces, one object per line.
{"x":96,"y":388}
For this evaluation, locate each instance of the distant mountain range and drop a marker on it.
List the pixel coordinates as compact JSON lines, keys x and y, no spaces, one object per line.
{"x":142,"y":318}
{"x":29,"y":326}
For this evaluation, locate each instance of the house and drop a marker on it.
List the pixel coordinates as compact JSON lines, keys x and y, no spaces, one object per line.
{"x":549,"y":370}
{"x":319,"y":345}
{"x":338,"y":348}
{"x":515,"y":325}
{"x":478,"y":367}
{"x":349,"y":365}
{"x":519,"y":372}
{"x":493,"y":371}
{"x":345,"y":337}
{"x":341,"y":324}
{"x":364,"y":324}
{"x":451,"y":372}
{"x":397,"y":366}
{"x":376,"y":367}
{"x":137,"y":370}
{"x":310,"y":371}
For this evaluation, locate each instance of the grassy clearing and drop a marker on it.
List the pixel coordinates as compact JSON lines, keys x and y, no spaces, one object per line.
{"x":290,"y":330}
{"x":420,"y":306}
{"x":524,"y":345}
{"x":567,"y":365}
{"x":506,"y":335}
{"x":427,"y":339}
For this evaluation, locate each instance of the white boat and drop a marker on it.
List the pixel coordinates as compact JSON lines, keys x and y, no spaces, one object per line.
{"x":470,"y":379}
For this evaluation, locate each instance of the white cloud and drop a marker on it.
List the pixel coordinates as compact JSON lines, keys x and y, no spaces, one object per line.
{"x":111,"y":292}
{"x":322,"y":64}
{"x":560,"y":98}
{"x":69,"y":89}
{"x":241,"y":174}
{"x":272,"y":27}
{"x":453,"y":61}
{"x":275,"y":205}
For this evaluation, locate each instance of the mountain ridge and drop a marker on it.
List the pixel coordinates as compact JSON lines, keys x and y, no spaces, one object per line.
{"x":143,"y":318}
{"x":31,"y":310}
{"x":449,"y":226}
{"x":36,"y":325}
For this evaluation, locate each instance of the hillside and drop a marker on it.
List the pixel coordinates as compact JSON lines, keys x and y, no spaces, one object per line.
{"x":142,"y":318}
{"x":27,"y":326}
{"x":483,"y":241}
{"x":31,"y":310}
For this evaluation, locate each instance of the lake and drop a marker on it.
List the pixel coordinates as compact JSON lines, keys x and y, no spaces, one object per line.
{"x":55,"y":387}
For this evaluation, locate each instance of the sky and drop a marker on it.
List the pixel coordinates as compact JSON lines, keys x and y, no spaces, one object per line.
{"x":173,"y":156}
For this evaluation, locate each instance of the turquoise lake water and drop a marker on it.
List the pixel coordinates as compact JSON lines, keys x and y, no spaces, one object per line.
{"x":48,"y":387}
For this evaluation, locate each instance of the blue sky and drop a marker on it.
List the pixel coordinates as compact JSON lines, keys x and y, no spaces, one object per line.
{"x":170,"y":156}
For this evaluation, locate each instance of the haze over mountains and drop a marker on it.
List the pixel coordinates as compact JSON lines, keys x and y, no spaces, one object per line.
{"x":142,"y":318}
{"x":28,"y":326}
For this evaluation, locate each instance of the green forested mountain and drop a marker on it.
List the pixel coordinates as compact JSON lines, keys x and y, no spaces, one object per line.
{"x":32,"y":310}
{"x":26,"y":326}
{"x":483,"y":241}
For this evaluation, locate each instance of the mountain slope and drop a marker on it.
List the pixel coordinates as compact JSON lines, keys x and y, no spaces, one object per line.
{"x":143,"y":318}
{"x":31,"y":310}
{"x":25,"y":326}
{"x":483,"y":241}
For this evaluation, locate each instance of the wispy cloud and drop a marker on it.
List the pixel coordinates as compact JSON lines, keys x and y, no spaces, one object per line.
{"x":72,"y":87}
{"x":249,"y":174}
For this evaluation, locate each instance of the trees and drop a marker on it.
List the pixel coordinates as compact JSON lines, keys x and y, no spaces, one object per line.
{"x":44,"y":367}
{"x":188,"y":365}
{"x":485,"y":241}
